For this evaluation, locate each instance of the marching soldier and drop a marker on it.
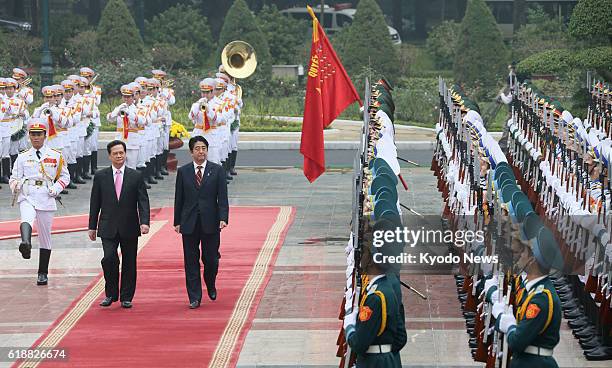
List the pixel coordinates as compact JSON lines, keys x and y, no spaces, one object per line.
{"x":50,"y":113}
{"x":167,"y":93}
{"x":128,"y":125}
{"x":204,"y":118}
{"x":39,"y":176}
{"x":94,"y":92}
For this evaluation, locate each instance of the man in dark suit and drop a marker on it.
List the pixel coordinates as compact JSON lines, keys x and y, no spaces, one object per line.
{"x":119,"y":196}
{"x":201,"y":211}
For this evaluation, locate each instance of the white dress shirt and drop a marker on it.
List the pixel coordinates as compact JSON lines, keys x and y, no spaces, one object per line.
{"x":195,"y":168}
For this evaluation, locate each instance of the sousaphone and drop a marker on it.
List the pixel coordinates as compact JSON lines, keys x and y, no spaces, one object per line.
{"x":239,"y":59}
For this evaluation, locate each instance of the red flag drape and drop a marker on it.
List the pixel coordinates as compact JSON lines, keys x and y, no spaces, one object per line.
{"x":329,"y":91}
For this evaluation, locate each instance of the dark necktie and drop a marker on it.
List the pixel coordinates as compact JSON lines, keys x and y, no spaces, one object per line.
{"x":38,"y":154}
{"x":199,"y":176}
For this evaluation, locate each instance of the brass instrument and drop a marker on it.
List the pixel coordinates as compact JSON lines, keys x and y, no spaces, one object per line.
{"x":167,"y":83}
{"x":93,"y":80}
{"x":25,"y":82}
{"x":203,"y":104}
{"x":122,"y":113}
{"x":239,"y":59}
{"x":47,"y":111}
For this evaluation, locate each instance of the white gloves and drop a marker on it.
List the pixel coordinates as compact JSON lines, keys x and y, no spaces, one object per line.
{"x":348,"y":301}
{"x":54,"y":191}
{"x":506,"y":321}
{"x":498,"y":308}
{"x":15,"y":186}
{"x":350,"y":319}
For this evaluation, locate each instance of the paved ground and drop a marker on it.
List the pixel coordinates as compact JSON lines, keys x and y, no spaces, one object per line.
{"x":296,"y":324}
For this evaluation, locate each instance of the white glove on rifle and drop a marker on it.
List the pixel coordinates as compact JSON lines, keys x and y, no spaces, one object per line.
{"x":498,"y":308}
{"x":506,"y":321}
{"x":54,"y":191}
{"x":350,"y":319}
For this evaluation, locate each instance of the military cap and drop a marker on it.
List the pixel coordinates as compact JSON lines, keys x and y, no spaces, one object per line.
{"x":68,"y":85}
{"x":385,"y":194}
{"x":19,"y":73}
{"x":47,"y":91}
{"x":135,"y":87}
{"x":383,"y":180}
{"x":142,"y":81}
{"x":387,"y":171}
{"x":153,"y":83}
{"x":37,"y":125}
{"x":86,"y":72}
{"x":158,"y":74}
{"x":223,"y":76}
{"x":220,"y":83}
{"x":10,"y":82}
{"x":58,"y":90}
{"x":126,"y":90}
{"x":546,"y":250}
{"x":531,"y":226}
{"x":2,"y":82}
{"x":385,"y":83}
{"x":382,"y":206}
{"x":207,"y":84}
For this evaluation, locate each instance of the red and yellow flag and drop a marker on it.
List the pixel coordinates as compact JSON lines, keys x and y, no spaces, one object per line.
{"x":329,"y":91}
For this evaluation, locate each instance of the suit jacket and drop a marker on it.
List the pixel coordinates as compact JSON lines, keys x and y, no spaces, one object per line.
{"x":123,"y":216}
{"x":209,"y":201}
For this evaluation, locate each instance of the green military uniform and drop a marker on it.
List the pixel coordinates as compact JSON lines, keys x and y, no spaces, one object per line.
{"x":376,"y":338}
{"x":538,"y":323}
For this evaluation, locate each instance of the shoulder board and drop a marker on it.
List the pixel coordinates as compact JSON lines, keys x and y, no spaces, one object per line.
{"x":57,"y":150}
{"x":25,"y":150}
{"x":372,"y":289}
{"x":539,"y":289}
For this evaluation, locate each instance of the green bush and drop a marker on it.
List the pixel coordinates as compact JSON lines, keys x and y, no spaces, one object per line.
{"x":117,"y":35}
{"x":181,"y":29}
{"x":285,"y":35}
{"x":115,"y":74}
{"x":541,"y":33}
{"x":557,"y":61}
{"x":442,"y":43}
{"x":168,"y":56}
{"x":417,"y":100}
{"x":239,"y":24}
{"x":25,"y":50}
{"x":591,"y":22}
{"x":597,"y":58}
{"x":367,"y":45}
{"x":81,"y":49}
{"x":481,"y":63}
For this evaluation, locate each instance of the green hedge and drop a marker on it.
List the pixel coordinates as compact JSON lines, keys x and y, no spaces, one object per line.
{"x":598,"y":58}
{"x":556,"y":61}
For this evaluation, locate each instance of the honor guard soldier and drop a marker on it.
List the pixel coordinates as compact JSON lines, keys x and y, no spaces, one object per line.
{"x":236,"y":91}
{"x":69,"y":111}
{"x":90,"y":116}
{"x":161,"y":112}
{"x":52,"y":115}
{"x":149,"y":102}
{"x":5,"y":135}
{"x":533,"y":332}
{"x":80,"y":129}
{"x":144,"y":119}
{"x":204,"y":118}
{"x":167,"y":93}
{"x":375,"y":330}
{"x":24,"y":91}
{"x":128,"y":127}
{"x":38,"y":178}
{"x":229,"y":116}
{"x":95,"y":92}
{"x":17,"y":113}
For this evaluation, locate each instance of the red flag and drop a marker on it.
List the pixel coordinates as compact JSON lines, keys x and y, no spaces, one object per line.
{"x":328,"y":92}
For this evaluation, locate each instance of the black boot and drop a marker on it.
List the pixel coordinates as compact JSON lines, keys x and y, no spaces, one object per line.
{"x":25,"y":248}
{"x":233,"y":156}
{"x":164,"y":163}
{"x":6,"y":170}
{"x":225,"y":165}
{"x":150,"y":172}
{"x":78,"y":170}
{"x":43,"y":266}
{"x":143,"y":172}
{"x":71,"y":171}
{"x":94,"y":162}
{"x":85,"y":168}
{"x":157,"y":167}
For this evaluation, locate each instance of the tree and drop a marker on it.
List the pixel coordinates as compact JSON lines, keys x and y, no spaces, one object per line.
{"x":186,"y":30}
{"x":81,"y":49}
{"x":591,"y":22}
{"x":5,"y":56}
{"x":285,"y":35}
{"x":481,"y":63}
{"x":442,"y":43}
{"x":541,"y":33}
{"x":240,"y":25}
{"x":366,"y":44}
{"x":117,"y":35}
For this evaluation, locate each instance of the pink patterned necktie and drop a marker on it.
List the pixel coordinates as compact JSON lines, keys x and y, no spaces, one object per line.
{"x":118,"y":183}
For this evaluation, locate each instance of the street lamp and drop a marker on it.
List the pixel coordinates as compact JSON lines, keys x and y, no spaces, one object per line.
{"x":46,"y":64}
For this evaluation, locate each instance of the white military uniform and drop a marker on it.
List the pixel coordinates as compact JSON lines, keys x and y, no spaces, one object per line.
{"x":55,"y":140}
{"x":233,"y":90}
{"x":91,"y":144}
{"x":39,"y":181}
{"x":151,"y":130}
{"x":17,"y":113}
{"x":168,"y":95}
{"x":131,"y":138}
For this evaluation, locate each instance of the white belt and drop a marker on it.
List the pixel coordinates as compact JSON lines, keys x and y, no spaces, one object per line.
{"x":379,"y":349}
{"x":536,"y":350}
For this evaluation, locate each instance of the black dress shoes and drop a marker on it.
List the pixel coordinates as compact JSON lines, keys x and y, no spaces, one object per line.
{"x":126,"y":304}
{"x":194,"y":305}
{"x":107,"y":301}
{"x":42,"y":279}
{"x":600,"y":353}
{"x":212,"y":294}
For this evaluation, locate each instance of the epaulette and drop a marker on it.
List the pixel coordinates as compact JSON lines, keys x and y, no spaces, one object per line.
{"x":372,"y":289}
{"x":25,"y":150}
{"x":57,"y":150}
{"x":539,"y":289}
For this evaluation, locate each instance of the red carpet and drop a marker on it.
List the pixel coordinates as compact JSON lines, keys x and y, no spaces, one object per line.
{"x":61,"y":224}
{"x":160,"y":330}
